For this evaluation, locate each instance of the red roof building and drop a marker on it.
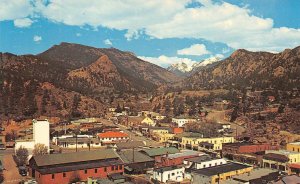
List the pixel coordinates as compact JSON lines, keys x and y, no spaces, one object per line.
{"x":113,"y":137}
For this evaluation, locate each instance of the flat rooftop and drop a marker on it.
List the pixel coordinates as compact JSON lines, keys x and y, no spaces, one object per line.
{"x":225,"y":168}
{"x":295,"y":143}
{"x":256,"y":173}
{"x":200,"y":159}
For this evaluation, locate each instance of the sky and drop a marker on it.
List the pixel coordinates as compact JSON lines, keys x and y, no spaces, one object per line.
{"x":162,"y":32}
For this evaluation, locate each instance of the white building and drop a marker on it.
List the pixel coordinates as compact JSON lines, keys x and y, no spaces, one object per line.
{"x":79,"y":142}
{"x":41,"y":132}
{"x":180,"y":122}
{"x":169,"y":173}
{"x":41,"y":135}
{"x":203,"y":161}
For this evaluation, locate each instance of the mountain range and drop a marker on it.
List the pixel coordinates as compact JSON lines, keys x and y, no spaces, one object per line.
{"x":74,"y":80}
{"x":183,"y":68}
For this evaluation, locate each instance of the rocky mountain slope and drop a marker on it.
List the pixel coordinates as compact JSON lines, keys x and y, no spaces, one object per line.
{"x":256,"y":69}
{"x":73,"y":80}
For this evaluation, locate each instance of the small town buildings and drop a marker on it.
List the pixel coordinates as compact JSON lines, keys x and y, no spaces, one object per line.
{"x":136,"y":162}
{"x":163,"y":138}
{"x":41,"y":135}
{"x":294,"y":169}
{"x":158,"y":117}
{"x":177,"y":158}
{"x":180,"y":122}
{"x":159,"y":130}
{"x":279,"y":159}
{"x":157,"y":153}
{"x":256,"y":176}
{"x":219,"y":173}
{"x":177,"y":140}
{"x":112,"y":137}
{"x":241,"y":148}
{"x":170,"y":173}
{"x":148,"y":121}
{"x":246,"y":152}
{"x":62,"y":168}
{"x":203,"y":161}
{"x":294,"y":146}
{"x":177,"y":130}
{"x":215,"y":143}
{"x":79,"y":142}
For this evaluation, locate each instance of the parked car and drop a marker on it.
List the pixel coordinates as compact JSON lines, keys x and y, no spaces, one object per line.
{"x":22,"y":170}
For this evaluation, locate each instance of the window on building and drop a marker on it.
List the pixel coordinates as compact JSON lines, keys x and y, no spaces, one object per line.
{"x":85,"y":171}
{"x":209,"y":165}
{"x":64,"y":174}
{"x":53,"y":176}
{"x":105,"y":169}
{"x":173,"y":174}
{"x":96,"y":170}
{"x":204,"y":166}
{"x":120,"y":167}
{"x":112,"y":168}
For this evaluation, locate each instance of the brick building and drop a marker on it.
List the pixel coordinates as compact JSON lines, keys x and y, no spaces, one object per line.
{"x":63,"y":168}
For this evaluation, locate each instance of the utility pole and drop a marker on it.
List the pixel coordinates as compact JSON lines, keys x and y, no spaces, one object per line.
{"x":76,"y":140}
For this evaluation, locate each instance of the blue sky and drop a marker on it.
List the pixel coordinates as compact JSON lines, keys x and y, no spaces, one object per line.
{"x":162,"y":32}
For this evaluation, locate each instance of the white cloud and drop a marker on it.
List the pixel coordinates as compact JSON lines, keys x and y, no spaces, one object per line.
{"x":214,"y":21}
{"x":194,"y":50}
{"x":78,"y":34}
{"x":165,"y":61}
{"x":15,"y":9}
{"x":37,"y":38}
{"x":25,"y":22}
{"x":107,"y":42}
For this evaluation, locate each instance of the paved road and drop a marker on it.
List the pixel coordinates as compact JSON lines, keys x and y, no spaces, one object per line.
{"x":11,"y":173}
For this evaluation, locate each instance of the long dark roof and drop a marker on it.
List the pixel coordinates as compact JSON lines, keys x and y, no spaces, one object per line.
{"x":276,"y":157}
{"x":127,"y":156}
{"x":200,"y":159}
{"x":79,"y":166}
{"x":56,"y":159}
{"x":160,"y":151}
{"x":130,"y":144}
{"x":225,"y":168}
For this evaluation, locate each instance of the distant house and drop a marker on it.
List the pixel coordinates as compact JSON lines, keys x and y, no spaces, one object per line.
{"x":180,"y":122}
{"x":62,"y":168}
{"x":136,"y":162}
{"x":148,"y":121}
{"x":112,"y":137}
{"x":169,"y":173}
